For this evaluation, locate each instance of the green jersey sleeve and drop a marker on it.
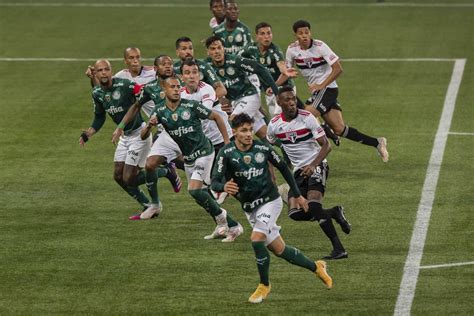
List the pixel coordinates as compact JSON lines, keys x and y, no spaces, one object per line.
{"x":263,"y":74}
{"x":218,"y":173}
{"x":208,"y":74}
{"x":99,"y":114}
{"x":278,"y":162}
{"x":202,"y":112}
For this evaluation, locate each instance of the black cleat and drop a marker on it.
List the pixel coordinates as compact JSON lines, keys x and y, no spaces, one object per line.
{"x":337,"y":254}
{"x":331,"y":135}
{"x":338,"y":215}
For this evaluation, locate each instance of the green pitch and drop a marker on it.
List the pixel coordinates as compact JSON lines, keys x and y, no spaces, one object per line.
{"x":68,"y":248}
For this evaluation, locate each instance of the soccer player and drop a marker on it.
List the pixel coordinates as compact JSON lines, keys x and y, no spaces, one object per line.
{"x":218,"y":11}
{"x":269,"y":55}
{"x":244,"y":165}
{"x":115,"y":96}
{"x":233,"y":33}
{"x":184,"y":50}
{"x":304,"y":141}
{"x":320,"y":67}
{"x":182,"y":120}
{"x":232,"y":70}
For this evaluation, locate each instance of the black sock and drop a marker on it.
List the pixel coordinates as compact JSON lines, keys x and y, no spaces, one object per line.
{"x":325,"y":222}
{"x":354,"y":135}
{"x":298,"y":214}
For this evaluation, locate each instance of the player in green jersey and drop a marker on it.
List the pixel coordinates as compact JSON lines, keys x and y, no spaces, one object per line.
{"x":185,"y":50}
{"x":181,"y":118}
{"x":234,"y":34}
{"x":233,"y":71}
{"x":244,"y":165}
{"x":115,"y":96}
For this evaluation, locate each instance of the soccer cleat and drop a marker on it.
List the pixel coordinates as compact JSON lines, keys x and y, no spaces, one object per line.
{"x":233,"y":233}
{"x":340,"y":218}
{"x":283,"y":190}
{"x":152,"y":211}
{"x":173,"y":176}
{"x":219,"y":196}
{"x":337,"y":254}
{"x":260,"y":293}
{"x":219,"y":232}
{"x":382,"y":148}
{"x":331,"y":135}
{"x":322,"y":274}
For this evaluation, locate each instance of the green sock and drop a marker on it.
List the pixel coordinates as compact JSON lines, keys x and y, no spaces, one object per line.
{"x":296,"y":257}
{"x":137,"y":194}
{"x":202,"y":197}
{"x":141,"y":178}
{"x":152,"y":186}
{"x":262,"y":257}
{"x":230,"y":221}
{"x":161,"y":172}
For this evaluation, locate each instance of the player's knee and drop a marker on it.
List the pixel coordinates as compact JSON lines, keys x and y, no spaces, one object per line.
{"x":118,"y":177}
{"x":339,"y":130}
{"x":317,"y":211}
{"x":128,"y":179}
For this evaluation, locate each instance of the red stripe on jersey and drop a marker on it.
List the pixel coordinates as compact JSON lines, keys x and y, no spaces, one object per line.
{"x":182,"y":89}
{"x":201,"y":84}
{"x":276,"y":118}
{"x":137,"y":88}
{"x":298,"y":60}
{"x":304,"y":112}
{"x":299,"y":132}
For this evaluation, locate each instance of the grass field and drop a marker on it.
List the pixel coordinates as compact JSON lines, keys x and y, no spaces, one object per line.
{"x":68,"y":248}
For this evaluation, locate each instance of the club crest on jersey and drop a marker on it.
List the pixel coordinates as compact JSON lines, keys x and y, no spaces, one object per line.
{"x":259,"y":157}
{"x":230,"y":71}
{"x":116,"y":95}
{"x":262,"y":60}
{"x":186,"y":115}
{"x":222,"y":71}
{"x":308,"y":61}
{"x":238,"y":38}
{"x":107,"y":97}
{"x":174,"y":116}
{"x":230,"y":38}
{"x":247,"y":159}
{"x":291,"y":136}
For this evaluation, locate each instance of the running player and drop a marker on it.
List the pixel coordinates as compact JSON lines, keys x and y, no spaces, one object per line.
{"x":244,"y":164}
{"x":307,"y":147}
{"x":320,"y":67}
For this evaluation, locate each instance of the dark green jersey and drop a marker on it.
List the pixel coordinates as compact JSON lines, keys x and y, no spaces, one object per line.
{"x":184,"y":126}
{"x":235,"y":40}
{"x":233,"y":73}
{"x":268,"y":59}
{"x":115,"y":101}
{"x":152,"y":91}
{"x":207,"y":74}
{"x":250,"y":171}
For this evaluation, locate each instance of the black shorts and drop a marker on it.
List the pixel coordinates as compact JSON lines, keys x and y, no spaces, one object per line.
{"x":317,"y":182}
{"x":325,"y":100}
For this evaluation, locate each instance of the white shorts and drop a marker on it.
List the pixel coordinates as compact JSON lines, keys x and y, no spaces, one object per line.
{"x":250,"y":105}
{"x":263,"y":219}
{"x":132,"y":149}
{"x":200,"y":170}
{"x":165,"y":146}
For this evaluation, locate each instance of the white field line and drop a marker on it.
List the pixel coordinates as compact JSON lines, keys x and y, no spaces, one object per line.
{"x":67,"y":59}
{"x":459,"y":133}
{"x":447,"y":265}
{"x":417,"y":242}
{"x":262,"y":5}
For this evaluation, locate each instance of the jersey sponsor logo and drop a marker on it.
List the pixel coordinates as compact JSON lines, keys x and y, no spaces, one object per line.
{"x":230,"y":83}
{"x":261,"y":147}
{"x":248,"y":68}
{"x":259,"y":157}
{"x":251,"y":173}
{"x":220,"y":164}
{"x":276,"y":157}
{"x":247,"y":159}
{"x":186,"y":115}
{"x":192,"y":156}
{"x":181,"y":130}
{"x":116,"y":95}
{"x":254,"y":204}
{"x":114,"y":110}
{"x":230,"y":71}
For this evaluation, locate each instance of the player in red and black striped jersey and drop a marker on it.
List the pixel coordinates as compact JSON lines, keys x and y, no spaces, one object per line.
{"x":305,"y":142}
{"x":320,"y":67}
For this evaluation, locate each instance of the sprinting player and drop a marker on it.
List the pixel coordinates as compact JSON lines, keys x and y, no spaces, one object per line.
{"x":269,"y":55}
{"x":307,"y":147}
{"x":241,"y":94}
{"x":164,"y":147}
{"x":182,"y":120}
{"x":320,"y":67}
{"x":217,"y":8}
{"x":134,"y":72}
{"x":185,"y":50}
{"x":233,"y":33}
{"x":115,"y":96}
{"x":244,"y":165}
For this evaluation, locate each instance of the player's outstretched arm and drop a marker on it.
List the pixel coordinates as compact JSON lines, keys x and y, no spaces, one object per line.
{"x":220,"y":125}
{"x":85,"y":135}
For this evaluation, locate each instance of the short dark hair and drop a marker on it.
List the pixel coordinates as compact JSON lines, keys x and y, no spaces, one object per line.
{"x":157,"y":58}
{"x":182,"y":39}
{"x":285,"y":89}
{"x":188,"y":62}
{"x":241,"y":119}
{"x":301,"y":23}
{"x":261,"y":25}
{"x":212,"y":2}
{"x":212,"y":39}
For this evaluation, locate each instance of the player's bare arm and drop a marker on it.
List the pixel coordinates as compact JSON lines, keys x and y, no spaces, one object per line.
{"x":335,"y":72}
{"x":148,"y":127}
{"x":308,"y":170}
{"x":220,"y":125}
{"x":86,"y":134}
{"x":134,"y":109}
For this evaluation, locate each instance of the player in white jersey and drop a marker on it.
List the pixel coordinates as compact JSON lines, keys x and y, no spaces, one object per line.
{"x":218,"y":11}
{"x":306,"y":144}
{"x":320,"y":67}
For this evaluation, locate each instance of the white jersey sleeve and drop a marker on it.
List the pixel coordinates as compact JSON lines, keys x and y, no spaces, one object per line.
{"x":329,"y":56}
{"x":313,"y":125}
{"x":271,"y":132}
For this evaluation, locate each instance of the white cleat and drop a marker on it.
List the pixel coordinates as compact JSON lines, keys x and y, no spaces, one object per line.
{"x":152,"y":211}
{"x":219,"y":196}
{"x":382,"y":148}
{"x":219,"y":232}
{"x":283,"y":190}
{"x":233,"y":233}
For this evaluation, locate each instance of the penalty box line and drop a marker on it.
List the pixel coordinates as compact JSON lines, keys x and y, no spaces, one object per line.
{"x":412,"y":264}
